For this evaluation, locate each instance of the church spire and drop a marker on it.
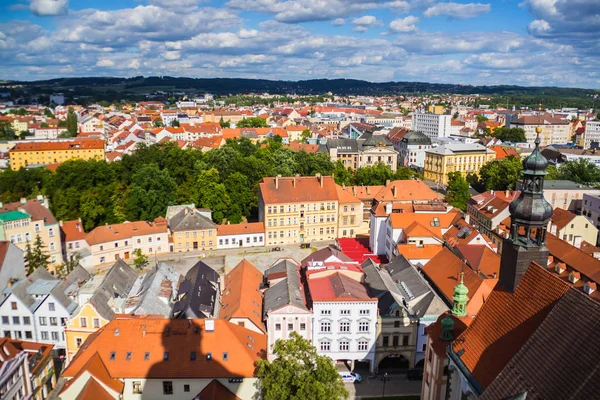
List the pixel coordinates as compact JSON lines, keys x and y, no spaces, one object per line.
{"x":529,"y":215}
{"x":460,"y":298}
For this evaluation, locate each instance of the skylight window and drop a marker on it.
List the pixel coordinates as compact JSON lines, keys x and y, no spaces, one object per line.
{"x":113,"y":355}
{"x":128,"y":356}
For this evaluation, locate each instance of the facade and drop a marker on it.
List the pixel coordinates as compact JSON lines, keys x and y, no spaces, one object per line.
{"x":573,"y":229}
{"x":133,"y":358}
{"x":192,"y":229}
{"x":591,"y":209}
{"x":553,"y":130}
{"x":350,"y":219}
{"x":567,"y":195}
{"x":12,"y":266}
{"x":250,"y":234}
{"x":55,"y":152}
{"x":487,"y":210}
{"x":367,"y":150}
{"x":412,"y":148}
{"x":21,"y":222}
{"x":26,"y":370}
{"x":73,"y":239}
{"x":463,"y":158}
{"x":432,"y":125}
{"x":109,"y":243}
{"x":592,"y":135}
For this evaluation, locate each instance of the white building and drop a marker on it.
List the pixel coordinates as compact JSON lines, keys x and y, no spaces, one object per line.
{"x":591,"y":209}
{"x":592,"y":134}
{"x":412,"y":149}
{"x":240,"y":235}
{"x":345,"y":317}
{"x":432,"y":125}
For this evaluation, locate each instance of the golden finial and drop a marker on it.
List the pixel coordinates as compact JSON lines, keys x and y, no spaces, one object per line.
{"x":538,"y":129}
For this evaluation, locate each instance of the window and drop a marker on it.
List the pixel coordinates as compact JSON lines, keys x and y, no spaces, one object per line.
{"x":290,"y":327}
{"x":101,"y":260}
{"x":5,"y":320}
{"x":166,"y":356}
{"x":78,"y":342}
{"x":277,"y":327}
{"x":55,"y":336}
{"x":325,"y":312}
{"x":167,"y":387}
{"x":396,"y":324}
{"x":96,"y":322}
{"x":186,"y":388}
{"x":302,"y":326}
{"x":17,"y":320}
{"x":395,"y":341}
{"x":51,"y":307}
{"x":44,"y":335}
{"x":363,"y":312}
{"x":405,"y":340}
{"x":28,"y":335}
{"x":324,"y":346}
{"x":325,"y":326}
{"x":345,"y":312}
{"x":146,"y":356}
{"x":113,"y":355}
{"x":193,"y":356}
{"x":43,"y":321}
{"x":344,"y":326}
{"x":344,"y":345}
{"x":225,"y":356}
{"x":50,"y":232}
{"x":363,"y":345}
{"x":83,"y":322}
{"x":53,"y":321}
{"x":363,"y":326}
{"x":13,"y":305}
{"x":128,"y":356}
{"x":26,"y":320}
{"x":137,"y":387}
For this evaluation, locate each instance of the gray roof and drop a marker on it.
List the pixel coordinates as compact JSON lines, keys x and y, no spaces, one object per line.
{"x":190,"y":219}
{"x":413,"y":137}
{"x":201,"y":290}
{"x":325,"y":253}
{"x":286,"y":292}
{"x":343,"y":145}
{"x":564,"y":185}
{"x":152,"y":293}
{"x":116,"y":284}
{"x":368,"y":140}
{"x":173,"y":210}
{"x":453,"y":148}
{"x":381,"y":286}
{"x":79,"y":274}
{"x":279,"y":266}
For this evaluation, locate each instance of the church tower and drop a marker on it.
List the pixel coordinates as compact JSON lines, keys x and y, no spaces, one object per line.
{"x":529,"y":215}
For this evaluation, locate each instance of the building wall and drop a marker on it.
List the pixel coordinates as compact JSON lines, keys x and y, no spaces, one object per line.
{"x":285,"y":316}
{"x":8,"y":327}
{"x":438,"y":166}
{"x":236,"y":241}
{"x":413,"y":154}
{"x":591,"y":209}
{"x":592,"y":133}
{"x":551,"y":134}
{"x":378,"y":155}
{"x":397,"y":335}
{"x":199,"y":239}
{"x":75,"y":329}
{"x":578,"y":230}
{"x":335,"y":337}
{"x":432,"y":125}
{"x":23,"y":158}
{"x":109,"y":252}
{"x":153,"y":388}
{"x":350,"y":219}
{"x":571,"y":200}
{"x":14,"y":382}
{"x":434,"y":379}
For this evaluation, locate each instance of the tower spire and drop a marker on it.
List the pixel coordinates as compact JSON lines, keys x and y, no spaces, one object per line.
{"x":460,"y":298}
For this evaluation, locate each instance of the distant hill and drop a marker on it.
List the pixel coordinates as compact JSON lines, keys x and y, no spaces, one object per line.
{"x":223,"y":86}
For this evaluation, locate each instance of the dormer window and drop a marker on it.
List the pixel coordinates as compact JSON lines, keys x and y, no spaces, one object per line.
{"x":589,"y":287}
{"x":574,"y":277}
{"x":560,"y":268}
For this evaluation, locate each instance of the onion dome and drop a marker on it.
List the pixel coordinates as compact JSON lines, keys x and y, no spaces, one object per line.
{"x":535,"y":163}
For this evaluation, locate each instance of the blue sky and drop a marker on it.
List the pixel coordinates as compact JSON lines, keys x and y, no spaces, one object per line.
{"x":523,"y":42}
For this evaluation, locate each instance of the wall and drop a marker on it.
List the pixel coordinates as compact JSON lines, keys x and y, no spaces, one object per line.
{"x":237,"y":241}
{"x":283,"y":316}
{"x":153,"y":388}
{"x":74,"y":330}
{"x":204,"y":239}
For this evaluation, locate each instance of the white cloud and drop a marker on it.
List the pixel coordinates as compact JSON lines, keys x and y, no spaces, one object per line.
{"x":47,"y":8}
{"x":105,"y":62}
{"x":539,"y":26}
{"x":406,"y":24}
{"x":457,"y":10}
{"x":338,"y":21}
{"x":134,"y":64}
{"x":366,"y":20}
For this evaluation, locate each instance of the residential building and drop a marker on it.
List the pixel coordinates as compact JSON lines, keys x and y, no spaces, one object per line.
{"x":90,"y":123}
{"x":412,"y":148}
{"x":573,"y":229}
{"x":73,"y":240}
{"x":137,"y":357}
{"x":38,"y":307}
{"x":21,"y":222}
{"x":567,"y":195}
{"x":455,"y":157}
{"x":109,"y":243}
{"x":350,"y":219}
{"x":12,"y":266}
{"x":249,"y":234}
{"x":199,"y":294}
{"x":97,"y":302}
{"x":55,"y":152}
{"x":192,"y":229}
{"x":592,"y":135}
{"x":432,"y":125}
{"x":284,"y":306}
{"x":26,"y":369}
{"x":152,"y":293}
{"x":365,"y":194}
{"x":242,"y":299}
{"x":487,"y":210}
{"x":591,"y":209}
{"x":345,"y":316}
{"x":367,"y":150}
{"x":553,"y":130}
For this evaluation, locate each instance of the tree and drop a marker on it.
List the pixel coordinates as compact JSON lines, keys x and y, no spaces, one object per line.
{"x":72,"y":122}
{"x":224,"y":124}
{"x":69,"y":265}
{"x":254,"y":122}
{"x":213,"y":194}
{"x":48,"y":113}
{"x":35,"y":257}
{"x":457,"y":192}
{"x":580,"y":171}
{"x":140,"y":261}
{"x":175,"y":123}
{"x":510,"y":134}
{"x":481,"y":118}
{"x":157,"y":123}
{"x":299,"y":373}
{"x":341,"y":174}
{"x":497,"y":175}
{"x":152,"y":191}
{"x":305,"y":135}
{"x":44,"y":125}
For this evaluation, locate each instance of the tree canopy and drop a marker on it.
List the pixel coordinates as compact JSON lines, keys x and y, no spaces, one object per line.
{"x":72,"y":122}
{"x":457,"y":193}
{"x":497,"y":175}
{"x":254,"y":122}
{"x":299,"y":373}
{"x":581,"y":171}
{"x":510,"y":134}
{"x":35,"y":255}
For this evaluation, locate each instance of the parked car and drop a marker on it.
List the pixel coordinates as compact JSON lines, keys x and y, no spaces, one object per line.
{"x":415,"y":374}
{"x":350,"y":377}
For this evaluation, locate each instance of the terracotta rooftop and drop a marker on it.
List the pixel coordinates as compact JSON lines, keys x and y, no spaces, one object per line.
{"x":561,"y":218}
{"x":337,"y":287}
{"x":9,"y":348}
{"x":241,"y":229}
{"x":77,"y":144}
{"x":215,"y":390}
{"x":406,"y":190}
{"x":72,"y":230}
{"x":481,"y":259}
{"x":108,"y":233}
{"x":298,"y":189}
{"x":32,"y":207}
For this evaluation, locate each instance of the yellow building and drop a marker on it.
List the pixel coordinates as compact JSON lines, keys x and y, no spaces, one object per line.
{"x":192,"y":229}
{"x":434,"y":109}
{"x":81,"y":325}
{"x":21,"y":222}
{"x":19,"y":125}
{"x":55,"y":152}
{"x":463,"y":158}
{"x":306,"y":209}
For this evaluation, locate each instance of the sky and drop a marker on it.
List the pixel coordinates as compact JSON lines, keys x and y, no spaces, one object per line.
{"x":520,"y":42}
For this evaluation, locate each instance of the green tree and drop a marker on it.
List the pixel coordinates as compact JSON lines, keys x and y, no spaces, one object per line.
{"x":552,"y":172}
{"x":140,"y":261}
{"x":175,"y":123}
{"x":48,"y":113}
{"x":580,"y":171}
{"x":69,"y":265}
{"x":299,"y":373}
{"x":62,"y":123}
{"x":152,"y":191}
{"x":224,"y":124}
{"x":305,"y":135}
{"x":44,"y":125}
{"x":254,"y":122}
{"x":341,"y":174}
{"x":481,"y":118}
{"x":35,"y":256}
{"x":497,"y":175}
{"x":20,"y":111}
{"x":239,"y":191}
{"x":157,"y":123}
{"x":212,"y":194}
{"x":510,"y":134}
{"x":457,"y":192}
{"x":72,"y":122}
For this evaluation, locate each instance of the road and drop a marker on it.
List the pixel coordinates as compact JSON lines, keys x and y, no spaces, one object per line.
{"x":396,"y":385}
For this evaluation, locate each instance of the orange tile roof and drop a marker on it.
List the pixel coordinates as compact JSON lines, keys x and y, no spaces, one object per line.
{"x":72,"y":230}
{"x":309,"y":148}
{"x":416,"y":229}
{"x":9,"y":348}
{"x":93,"y":391}
{"x":215,"y":390}
{"x":561,"y":218}
{"x":364,"y":192}
{"x":407,"y":190}
{"x":76,"y":144}
{"x":345,"y":197}
{"x":241,"y":229}
{"x":147,"y":339}
{"x":337,"y":287}
{"x":231,"y":133}
{"x":404,"y":220}
{"x":241,"y":296}
{"x":506,"y":321}
{"x":298,"y":189}
{"x":414,"y":252}
{"x":481,"y":258}
{"x":434,"y":331}
{"x":503,"y":152}
{"x":108,"y":233}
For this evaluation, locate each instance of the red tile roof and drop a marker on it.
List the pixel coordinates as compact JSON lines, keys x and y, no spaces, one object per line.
{"x":337,"y":287}
{"x":77,"y":144}
{"x":72,"y":230}
{"x":561,"y":218}
{"x":481,"y":259}
{"x":215,"y":390}
{"x":108,"y":233}
{"x":93,"y":391}
{"x":241,"y":229}
{"x":298,"y":189}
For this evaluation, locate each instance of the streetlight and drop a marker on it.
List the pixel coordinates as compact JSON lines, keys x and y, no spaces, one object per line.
{"x":384,"y":379}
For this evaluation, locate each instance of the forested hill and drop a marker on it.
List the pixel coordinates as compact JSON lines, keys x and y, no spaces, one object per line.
{"x":223,"y":86}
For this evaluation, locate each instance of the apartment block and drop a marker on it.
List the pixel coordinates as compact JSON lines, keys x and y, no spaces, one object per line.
{"x":554,"y":130}
{"x":459,"y":157}
{"x":54,"y":152}
{"x":191,"y":228}
{"x":592,"y":134}
{"x":432,"y":125}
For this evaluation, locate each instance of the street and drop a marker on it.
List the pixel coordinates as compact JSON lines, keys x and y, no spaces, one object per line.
{"x":396,"y":385}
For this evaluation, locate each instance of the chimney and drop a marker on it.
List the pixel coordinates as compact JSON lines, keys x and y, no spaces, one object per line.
{"x":388,"y":208}
{"x":320,"y":179}
{"x":353,"y":190}
{"x":492,"y":192}
{"x":395,"y":191}
{"x":294,"y":182}
{"x":507,"y":193}
{"x":23,"y":200}
{"x":387,"y":182}
{"x":368,"y":190}
{"x":209,"y":325}
{"x":277,"y":181}
{"x":1,"y":205}
{"x":143,"y":330}
{"x":60,"y":223}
